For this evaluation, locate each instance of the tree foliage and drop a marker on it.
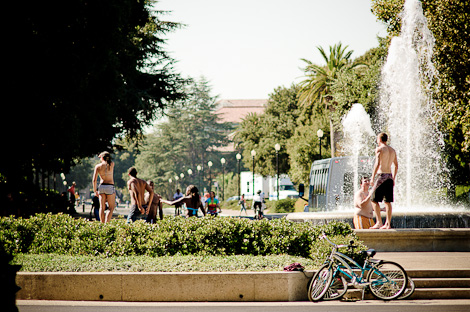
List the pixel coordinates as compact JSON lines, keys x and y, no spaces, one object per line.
{"x":84,"y":73}
{"x":191,"y":136}
{"x":275,"y":126}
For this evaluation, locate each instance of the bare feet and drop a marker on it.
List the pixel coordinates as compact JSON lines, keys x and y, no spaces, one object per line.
{"x":376,"y":226}
{"x":385,"y":227}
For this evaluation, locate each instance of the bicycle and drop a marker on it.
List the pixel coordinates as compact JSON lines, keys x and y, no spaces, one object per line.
{"x":386,"y":279}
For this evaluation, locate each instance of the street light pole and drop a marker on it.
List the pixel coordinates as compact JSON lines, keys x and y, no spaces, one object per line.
{"x":199,"y":174}
{"x":222,"y":160}
{"x":277,"y":147}
{"x":239,"y":157}
{"x":210,"y":177}
{"x":320,"y":135}
{"x":253,"y":154}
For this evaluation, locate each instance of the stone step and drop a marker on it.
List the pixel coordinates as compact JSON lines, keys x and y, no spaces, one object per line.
{"x":442,"y":282}
{"x":419,"y":293}
{"x":441,"y":273}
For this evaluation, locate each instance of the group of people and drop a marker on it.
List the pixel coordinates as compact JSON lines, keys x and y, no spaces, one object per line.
{"x":144,"y":200}
{"x":366,"y":203}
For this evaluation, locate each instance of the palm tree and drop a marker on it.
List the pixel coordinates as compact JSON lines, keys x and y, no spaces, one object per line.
{"x":315,"y":88}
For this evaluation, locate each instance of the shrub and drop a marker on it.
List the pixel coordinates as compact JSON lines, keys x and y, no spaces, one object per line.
{"x":61,"y":234}
{"x":285,"y":205}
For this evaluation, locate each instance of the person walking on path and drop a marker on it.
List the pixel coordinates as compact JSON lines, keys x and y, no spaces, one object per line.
{"x":212,"y":204}
{"x":137,"y":188}
{"x":72,"y":197}
{"x":192,"y":199}
{"x":242,"y":204}
{"x":152,"y":207}
{"x":385,"y":159}
{"x":105,"y":191}
{"x":363,"y":211}
{"x":178,"y":207}
{"x":258,"y":205}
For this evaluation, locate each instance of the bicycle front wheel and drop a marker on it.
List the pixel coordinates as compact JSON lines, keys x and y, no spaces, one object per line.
{"x":318,"y":285}
{"x":387,"y":280}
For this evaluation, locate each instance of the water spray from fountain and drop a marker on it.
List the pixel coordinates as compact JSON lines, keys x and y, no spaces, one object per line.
{"x":407,"y":111}
{"x":357,"y":131}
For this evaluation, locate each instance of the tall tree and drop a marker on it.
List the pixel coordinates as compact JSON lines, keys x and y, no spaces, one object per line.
{"x":191,"y":136}
{"x":85,"y":72}
{"x":315,"y":88}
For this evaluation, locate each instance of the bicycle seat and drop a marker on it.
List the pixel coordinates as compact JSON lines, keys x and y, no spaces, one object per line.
{"x":370,"y":253}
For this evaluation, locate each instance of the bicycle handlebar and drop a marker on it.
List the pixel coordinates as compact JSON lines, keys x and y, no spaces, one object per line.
{"x":323,"y":236}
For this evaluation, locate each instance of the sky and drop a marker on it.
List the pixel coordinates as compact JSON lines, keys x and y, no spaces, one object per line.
{"x":247,"y":48}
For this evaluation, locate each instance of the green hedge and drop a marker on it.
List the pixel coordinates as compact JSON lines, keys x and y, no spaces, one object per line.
{"x":285,"y":205}
{"x":62,"y":234}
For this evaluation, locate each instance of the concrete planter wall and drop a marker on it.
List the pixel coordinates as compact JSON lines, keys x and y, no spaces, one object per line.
{"x":266,"y":286}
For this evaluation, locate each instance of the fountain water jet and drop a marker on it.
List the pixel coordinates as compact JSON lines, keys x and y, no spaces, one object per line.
{"x":357,"y":131}
{"x":407,"y":111}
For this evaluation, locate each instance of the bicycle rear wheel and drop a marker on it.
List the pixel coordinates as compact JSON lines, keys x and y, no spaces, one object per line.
{"x":409,"y":289}
{"x":337,"y":288}
{"x":387,"y":280}
{"x":318,"y":285}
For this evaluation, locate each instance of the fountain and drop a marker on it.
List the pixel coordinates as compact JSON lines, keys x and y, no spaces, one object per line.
{"x":407,"y":113}
{"x":357,"y":133}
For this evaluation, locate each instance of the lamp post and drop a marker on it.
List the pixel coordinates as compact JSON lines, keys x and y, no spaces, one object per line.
{"x":222,"y":161}
{"x":169,"y":184}
{"x":277,"y":147}
{"x":199,"y":174}
{"x":239,"y":157}
{"x":210,"y":177}
{"x":253,"y":154}
{"x":320,"y":135}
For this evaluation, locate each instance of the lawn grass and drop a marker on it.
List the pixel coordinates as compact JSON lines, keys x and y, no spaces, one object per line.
{"x":188,"y":263}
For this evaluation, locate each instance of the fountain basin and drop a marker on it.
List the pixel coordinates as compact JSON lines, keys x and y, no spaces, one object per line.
{"x":416,"y":239}
{"x":400,"y":220}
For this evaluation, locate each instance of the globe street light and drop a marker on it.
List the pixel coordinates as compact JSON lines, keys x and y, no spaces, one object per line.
{"x":253,"y":154}
{"x":210,"y":177}
{"x":320,"y":135}
{"x":222,"y":161}
{"x":239,"y":157}
{"x":277,"y":147}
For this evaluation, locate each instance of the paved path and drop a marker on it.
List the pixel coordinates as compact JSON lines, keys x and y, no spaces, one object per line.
{"x":358,"y":306}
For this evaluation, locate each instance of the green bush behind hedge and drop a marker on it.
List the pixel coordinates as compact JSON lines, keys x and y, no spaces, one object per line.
{"x":62,"y":234}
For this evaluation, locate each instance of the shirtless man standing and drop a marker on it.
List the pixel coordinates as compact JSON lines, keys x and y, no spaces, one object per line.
{"x":363,"y":211}
{"x":137,"y":188}
{"x":105,"y":191}
{"x":385,"y":157}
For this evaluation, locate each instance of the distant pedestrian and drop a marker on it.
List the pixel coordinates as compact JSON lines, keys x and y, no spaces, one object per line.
{"x":242,"y":204}
{"x":105,"y":191}
{"x":178,"y":206}
{"x":137,"y":188}
{"x":258,"y":205}
{"x":72,"y":197}
{"x":95,"y":206}
{"x":152,"y":207}
{"x":192,"y":199}
{"x":212,"y":204}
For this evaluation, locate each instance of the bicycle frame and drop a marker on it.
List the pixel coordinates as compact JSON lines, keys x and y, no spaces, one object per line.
{"x":357,"y":281}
